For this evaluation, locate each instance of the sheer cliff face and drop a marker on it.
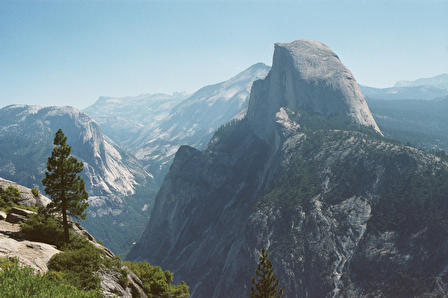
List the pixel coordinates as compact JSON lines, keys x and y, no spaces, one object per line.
{"x":307,"y":75}
{"x":342,"y":212}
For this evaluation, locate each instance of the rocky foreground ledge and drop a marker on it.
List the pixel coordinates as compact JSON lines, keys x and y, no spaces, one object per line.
{"x":36,"y":255}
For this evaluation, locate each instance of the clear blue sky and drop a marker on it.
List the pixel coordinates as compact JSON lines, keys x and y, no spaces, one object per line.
{"x":70,"y":52}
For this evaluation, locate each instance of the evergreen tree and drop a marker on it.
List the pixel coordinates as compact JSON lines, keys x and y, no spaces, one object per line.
{"x":63,"y":184}
{"x":265,"y":286}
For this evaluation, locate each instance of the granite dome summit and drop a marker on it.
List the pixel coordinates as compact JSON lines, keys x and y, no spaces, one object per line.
{"x":308,"y":75}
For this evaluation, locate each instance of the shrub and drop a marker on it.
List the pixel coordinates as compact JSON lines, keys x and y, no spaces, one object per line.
{"x":11,"y":193}
{"x":9,"y":197}
{"x":16,"y":281}
{"x":156,"y":282}
{"x":78,"y":267}
{"x":43,"y":228}
{"x":35,"y":192}
{"x":80,"y":262}
{"x":4,"y":205}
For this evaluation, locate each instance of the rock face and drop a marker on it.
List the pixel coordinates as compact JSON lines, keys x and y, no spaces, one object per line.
{"x":111,"y":175}
{"x":307,"y":175}
{"x":32,"y":254}
{"x":26,"y":197}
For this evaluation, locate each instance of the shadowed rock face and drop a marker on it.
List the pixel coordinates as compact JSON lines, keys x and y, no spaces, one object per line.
{"x":307,"y":75}
{"x":342,"y":212}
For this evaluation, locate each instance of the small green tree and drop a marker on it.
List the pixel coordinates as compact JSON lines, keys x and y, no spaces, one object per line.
{"x":35,"y":192}
{"x":63,"y":184}
{"x":265,"y":285}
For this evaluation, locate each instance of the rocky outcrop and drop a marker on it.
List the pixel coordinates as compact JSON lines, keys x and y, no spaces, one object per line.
{"x":29,"y":253}
{"x":26,"y":197}
{"x":12,"y":244}
{"x":110,"y":286}
{"x":36,"y":255}
{"x":341,"y":211}
{"x":18,"y":215}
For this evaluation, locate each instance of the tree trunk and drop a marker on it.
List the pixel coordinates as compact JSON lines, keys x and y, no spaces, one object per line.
{"x":65,"y":224}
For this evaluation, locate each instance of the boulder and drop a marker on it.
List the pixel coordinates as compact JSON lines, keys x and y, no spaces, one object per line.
{"x":135,"y":284}
{"x":110,"y":286}
{"x":18,"y":215}
{"x":2,"y":215}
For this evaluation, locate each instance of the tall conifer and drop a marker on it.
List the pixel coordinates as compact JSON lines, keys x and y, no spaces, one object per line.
{"x":63,"y":184}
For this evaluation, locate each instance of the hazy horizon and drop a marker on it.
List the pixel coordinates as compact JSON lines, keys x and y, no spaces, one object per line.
{"x":70,"y":53}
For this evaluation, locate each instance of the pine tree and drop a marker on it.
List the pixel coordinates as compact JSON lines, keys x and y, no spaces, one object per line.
{"x":266,"y":285}
{"x":63,"y":184}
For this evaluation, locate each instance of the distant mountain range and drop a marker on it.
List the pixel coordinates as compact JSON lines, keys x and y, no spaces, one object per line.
{"x":439,"y":81}
{"x":425,"y":92}
{"x":154,"y":128}
{"x":122,"y":118}
{"x":421,"y":89}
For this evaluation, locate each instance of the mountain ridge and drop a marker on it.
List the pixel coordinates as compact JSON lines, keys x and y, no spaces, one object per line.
{"x":439,"y":81}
